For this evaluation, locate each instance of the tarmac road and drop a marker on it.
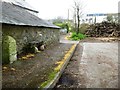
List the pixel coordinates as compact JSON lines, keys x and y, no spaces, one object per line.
{"x":99,"y":65}
{"x":94,"y":65}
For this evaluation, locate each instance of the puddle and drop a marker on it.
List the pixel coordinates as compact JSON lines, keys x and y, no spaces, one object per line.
{"x":66,"y":81}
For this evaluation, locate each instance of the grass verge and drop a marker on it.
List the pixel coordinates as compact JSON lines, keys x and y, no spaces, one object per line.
{"x":60,"y":63}
{"x":50,"y":78}
{"x":78,"y":36}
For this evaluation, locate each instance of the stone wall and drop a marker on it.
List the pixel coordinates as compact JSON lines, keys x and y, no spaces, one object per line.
{"x":119,"y":12}
{"x":0,"y":40}
{"x":26,"y":34}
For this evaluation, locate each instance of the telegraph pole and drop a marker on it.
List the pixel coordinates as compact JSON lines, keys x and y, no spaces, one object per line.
{"x":67,"y":25}
{"x":68,"y":14}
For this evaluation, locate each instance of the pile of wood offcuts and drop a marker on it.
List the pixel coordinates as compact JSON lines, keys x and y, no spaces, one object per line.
{"x":104,"y":29}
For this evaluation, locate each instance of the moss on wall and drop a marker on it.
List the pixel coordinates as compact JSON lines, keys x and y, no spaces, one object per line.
{"x":26,"y":34}
{"x":8,"y":50}
{"x":5,"y":50}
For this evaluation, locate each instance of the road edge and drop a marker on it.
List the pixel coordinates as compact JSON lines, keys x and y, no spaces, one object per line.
{"x":58,"y":75}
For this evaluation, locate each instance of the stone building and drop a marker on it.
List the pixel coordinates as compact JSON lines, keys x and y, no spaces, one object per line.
{"x":119,"y":12}
{"x":20,"y":21}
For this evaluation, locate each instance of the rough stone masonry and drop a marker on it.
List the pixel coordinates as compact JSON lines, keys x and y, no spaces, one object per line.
{"x":25,"y":34}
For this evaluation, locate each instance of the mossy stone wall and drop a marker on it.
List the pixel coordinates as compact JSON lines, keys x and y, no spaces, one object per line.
{"x":26,"y":34}
{"x":9,"y":53}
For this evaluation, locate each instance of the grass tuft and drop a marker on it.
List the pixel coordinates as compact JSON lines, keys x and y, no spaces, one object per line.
{"x":78,"y":36}
{"x":50,"y":78}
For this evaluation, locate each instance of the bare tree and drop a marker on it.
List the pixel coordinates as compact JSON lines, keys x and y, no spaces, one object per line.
{"x":78,"y":12}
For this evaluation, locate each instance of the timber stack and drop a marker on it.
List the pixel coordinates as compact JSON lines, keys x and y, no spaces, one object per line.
{"x":104,"y":29}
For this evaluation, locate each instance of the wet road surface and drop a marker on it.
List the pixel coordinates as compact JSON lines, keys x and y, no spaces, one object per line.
{"x":97,"y":67}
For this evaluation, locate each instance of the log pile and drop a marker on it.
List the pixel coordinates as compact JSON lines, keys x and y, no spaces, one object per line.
{"x":103,"y":29}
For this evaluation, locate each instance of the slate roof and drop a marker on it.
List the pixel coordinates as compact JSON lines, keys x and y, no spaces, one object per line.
{"x":22,"y":4}
{"x":13,"y":14}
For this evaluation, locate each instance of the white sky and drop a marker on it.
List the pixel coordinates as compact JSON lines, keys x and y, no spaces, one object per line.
{"x":49,"y":9}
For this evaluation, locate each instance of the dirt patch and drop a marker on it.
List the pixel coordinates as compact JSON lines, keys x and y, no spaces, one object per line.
{"x":101,"y":39}
{"x":32,"y":72}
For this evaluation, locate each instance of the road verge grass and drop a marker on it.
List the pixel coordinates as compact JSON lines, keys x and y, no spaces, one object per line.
{"x":57,"y":69}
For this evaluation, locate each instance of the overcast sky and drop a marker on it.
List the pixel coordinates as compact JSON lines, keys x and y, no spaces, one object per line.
{"x":49,"y":9}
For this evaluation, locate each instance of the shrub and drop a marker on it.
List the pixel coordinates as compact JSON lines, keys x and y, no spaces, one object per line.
{"x":78,"y":36}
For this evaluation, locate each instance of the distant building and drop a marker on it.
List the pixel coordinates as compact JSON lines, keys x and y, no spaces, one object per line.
{"x":97,"y":17}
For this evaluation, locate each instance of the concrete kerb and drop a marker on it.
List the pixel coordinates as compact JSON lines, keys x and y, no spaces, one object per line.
{"x":58,"y":75}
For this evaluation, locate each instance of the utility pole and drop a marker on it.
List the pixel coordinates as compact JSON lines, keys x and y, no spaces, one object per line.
{"x":78,"y":19}
{"x":95,"y":20}
{"x":74,"y":19}
{"x":67,"y":25}
{"x":68,"y":14}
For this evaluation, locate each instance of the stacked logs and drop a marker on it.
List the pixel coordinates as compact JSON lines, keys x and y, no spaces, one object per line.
{"x":104,"y":29}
